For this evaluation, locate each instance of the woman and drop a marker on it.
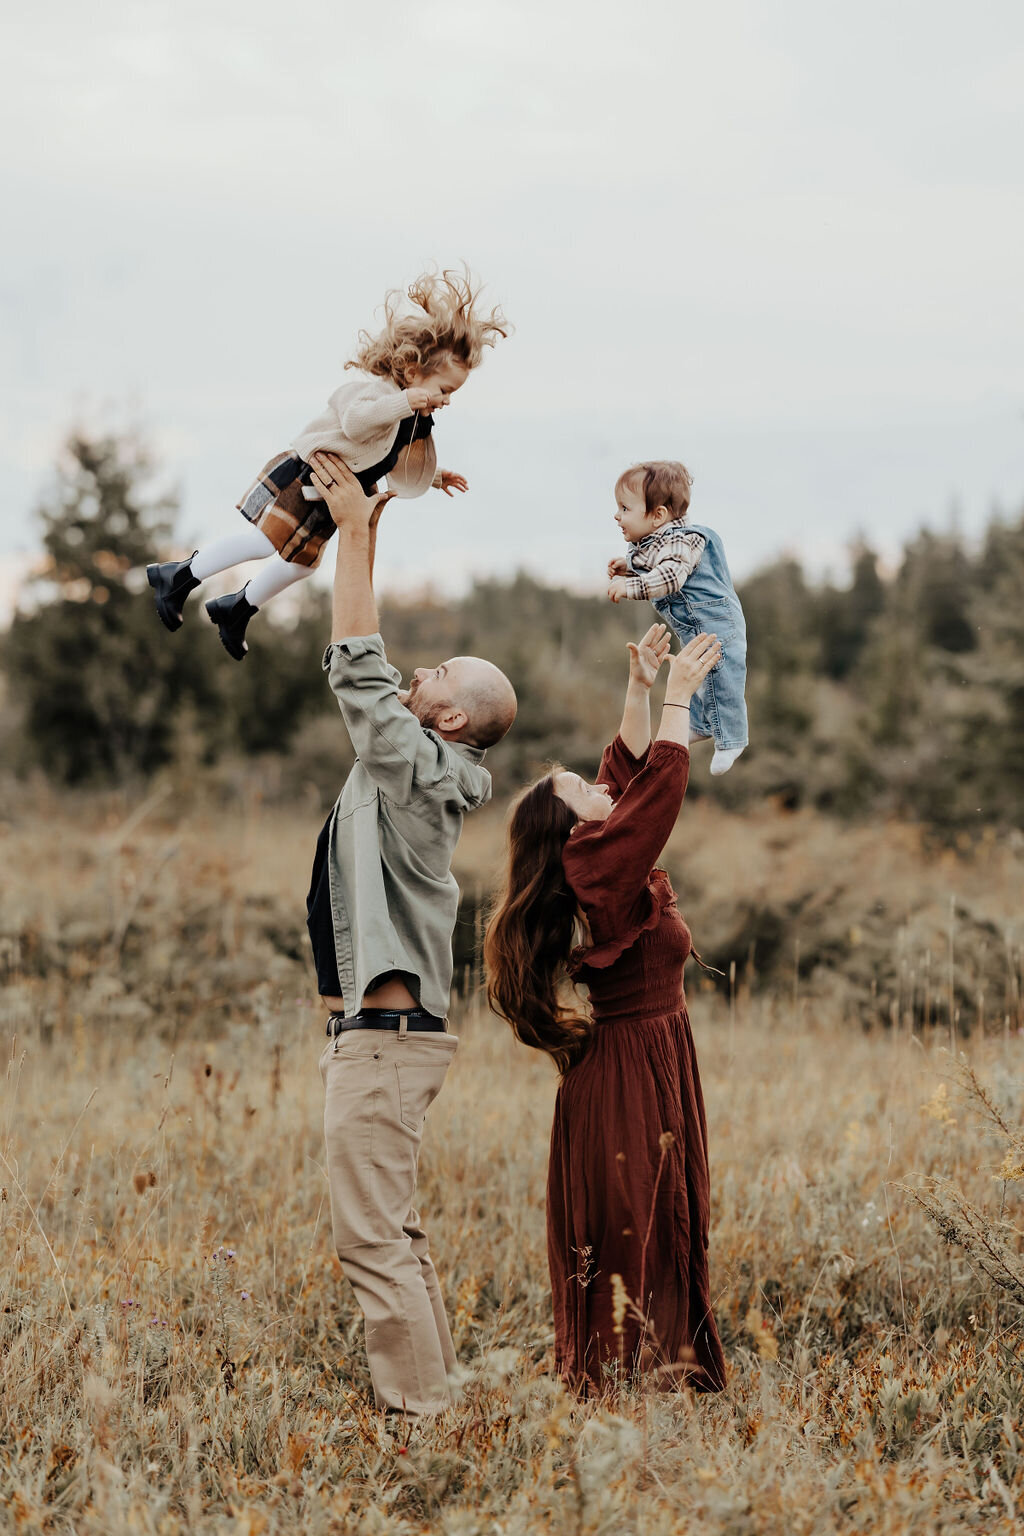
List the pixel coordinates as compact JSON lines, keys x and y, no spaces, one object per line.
{"x":628,"y":1179}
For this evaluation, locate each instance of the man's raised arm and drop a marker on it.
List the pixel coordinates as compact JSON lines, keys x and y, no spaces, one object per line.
{"x":389,"y":741}
{"x":356,"y":517}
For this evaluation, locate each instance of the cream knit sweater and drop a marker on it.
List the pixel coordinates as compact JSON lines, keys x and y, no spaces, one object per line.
{"x":359,"y":425}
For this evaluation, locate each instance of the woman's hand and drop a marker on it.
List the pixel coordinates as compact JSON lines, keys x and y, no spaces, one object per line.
{"x":689,"y":667}
{"x":647,"y":655}
{"x":448,"y":481}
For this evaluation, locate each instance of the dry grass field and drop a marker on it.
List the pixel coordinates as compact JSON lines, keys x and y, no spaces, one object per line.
{"x":181,"y":1354}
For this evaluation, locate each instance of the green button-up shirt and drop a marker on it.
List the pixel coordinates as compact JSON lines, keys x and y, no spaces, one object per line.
{"x":394,"y":899}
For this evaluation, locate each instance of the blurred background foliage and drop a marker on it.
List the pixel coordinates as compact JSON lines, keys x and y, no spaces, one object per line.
{"x":894,"y":695}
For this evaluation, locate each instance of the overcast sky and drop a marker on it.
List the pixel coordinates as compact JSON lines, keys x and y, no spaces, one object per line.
{"x":782,"y":241}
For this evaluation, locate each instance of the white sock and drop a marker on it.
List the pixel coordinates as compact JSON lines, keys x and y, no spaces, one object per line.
{"x":247,"y":544}
{"x":723,"y":760}
{"x":273,"y":577}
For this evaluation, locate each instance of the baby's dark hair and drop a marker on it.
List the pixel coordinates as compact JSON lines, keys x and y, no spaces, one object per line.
{"x":662,"y":483}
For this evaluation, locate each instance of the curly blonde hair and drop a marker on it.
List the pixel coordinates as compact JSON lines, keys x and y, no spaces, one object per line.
{"x":443,"y":324}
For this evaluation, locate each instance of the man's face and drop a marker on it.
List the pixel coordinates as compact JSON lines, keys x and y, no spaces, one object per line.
{"x":431,"y":691}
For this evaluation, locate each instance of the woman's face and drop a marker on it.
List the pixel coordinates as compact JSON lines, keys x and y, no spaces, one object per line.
{"x":591,"y":802}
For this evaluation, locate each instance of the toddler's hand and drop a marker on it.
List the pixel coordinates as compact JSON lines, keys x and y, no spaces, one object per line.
{"x":617,"y":592}
{"x":448,"y":481}
{"x":425,"y":400}
{"x":618,"y":565}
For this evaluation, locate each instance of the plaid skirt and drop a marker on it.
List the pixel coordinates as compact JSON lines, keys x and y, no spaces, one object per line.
{"x":297,"y":528}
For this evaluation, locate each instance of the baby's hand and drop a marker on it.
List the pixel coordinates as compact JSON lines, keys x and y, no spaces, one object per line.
{"x":617,"y":590}
{"x":447,"y":480}
{"x":424,"y":400}
{"x":618,"y":565}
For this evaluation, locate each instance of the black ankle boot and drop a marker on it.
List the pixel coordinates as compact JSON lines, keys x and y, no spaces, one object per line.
{"x":231,"y":614}
{"x":172,"y":583}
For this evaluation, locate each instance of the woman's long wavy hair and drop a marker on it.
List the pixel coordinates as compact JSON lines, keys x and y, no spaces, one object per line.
{"x":444,"y":323}
{"x":532,"y":930}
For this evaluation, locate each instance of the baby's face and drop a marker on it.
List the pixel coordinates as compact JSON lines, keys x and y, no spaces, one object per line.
{"x":632,"y":516}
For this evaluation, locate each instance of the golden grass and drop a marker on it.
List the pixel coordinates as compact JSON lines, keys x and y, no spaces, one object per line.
{"x":181,"y":1353}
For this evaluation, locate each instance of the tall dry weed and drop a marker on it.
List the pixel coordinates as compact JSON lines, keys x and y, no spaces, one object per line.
{"x":178,"y":1348}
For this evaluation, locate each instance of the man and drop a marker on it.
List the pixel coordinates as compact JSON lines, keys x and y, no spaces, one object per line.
{"x":381,"y":910}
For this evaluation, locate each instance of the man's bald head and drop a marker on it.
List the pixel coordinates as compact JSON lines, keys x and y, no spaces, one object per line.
{"x":487,"y":696}
{"x":465,"y":699}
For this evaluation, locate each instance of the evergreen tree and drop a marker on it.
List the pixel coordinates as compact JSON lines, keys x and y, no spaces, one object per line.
{"x":95,"y":674}
{"x":993,"y":679}
{"x":847,"y":614}
{"x":783,"y":648}
{"x":933,"y":587}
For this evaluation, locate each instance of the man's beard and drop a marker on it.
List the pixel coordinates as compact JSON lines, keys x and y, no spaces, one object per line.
{"x":428,"y":715}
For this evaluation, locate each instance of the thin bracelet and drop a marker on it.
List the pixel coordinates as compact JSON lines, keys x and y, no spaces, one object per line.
{"x":667,"y":705}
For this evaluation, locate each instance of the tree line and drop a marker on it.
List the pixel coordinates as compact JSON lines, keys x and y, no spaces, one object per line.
{"x":895,"y":694}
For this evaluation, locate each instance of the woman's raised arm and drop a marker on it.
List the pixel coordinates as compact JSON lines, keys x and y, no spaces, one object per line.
{"x":645,"y":658}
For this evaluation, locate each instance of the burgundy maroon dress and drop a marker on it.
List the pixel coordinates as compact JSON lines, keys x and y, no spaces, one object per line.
{"x":626,"y":1200}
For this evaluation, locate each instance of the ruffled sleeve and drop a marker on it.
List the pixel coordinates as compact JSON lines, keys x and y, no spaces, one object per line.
{"x":619,"y":767}
{"x":609,"y":864}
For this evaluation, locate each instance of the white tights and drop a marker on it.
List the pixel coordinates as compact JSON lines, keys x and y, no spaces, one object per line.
{"x":249,"y":544}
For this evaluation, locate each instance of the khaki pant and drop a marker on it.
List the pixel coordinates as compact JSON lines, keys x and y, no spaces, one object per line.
{"x":379,"y":1086}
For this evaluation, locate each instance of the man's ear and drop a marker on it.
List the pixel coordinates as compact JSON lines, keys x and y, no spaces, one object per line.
{"x":452,"y":721}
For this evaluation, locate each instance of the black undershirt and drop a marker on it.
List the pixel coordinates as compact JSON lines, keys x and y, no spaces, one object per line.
{"x":319,"y":918}
{"x":413,"y":429}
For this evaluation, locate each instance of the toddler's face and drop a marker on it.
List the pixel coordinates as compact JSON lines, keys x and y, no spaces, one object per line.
{"x":633,"y":517}
{"x":442,"y":378}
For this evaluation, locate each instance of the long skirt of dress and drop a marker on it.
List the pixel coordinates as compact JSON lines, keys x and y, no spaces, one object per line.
{"x":628,"y":1188}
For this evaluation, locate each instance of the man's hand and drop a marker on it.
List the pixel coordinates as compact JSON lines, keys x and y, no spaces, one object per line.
{"x":647,"y":655}
{"x":447,"y":480}
{"x":345,"y":498}
{"x":618,"y":565}
{"x":425,"y":400}
{"x":617,"y":590}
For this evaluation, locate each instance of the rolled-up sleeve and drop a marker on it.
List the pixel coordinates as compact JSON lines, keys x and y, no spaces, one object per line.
{"x":394,"y":748}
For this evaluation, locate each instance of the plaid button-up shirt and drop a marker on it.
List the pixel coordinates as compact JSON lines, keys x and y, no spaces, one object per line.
{"x":664,"y":559}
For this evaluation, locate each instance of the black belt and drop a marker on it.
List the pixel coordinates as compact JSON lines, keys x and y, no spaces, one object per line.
{"x":417,"y":1020}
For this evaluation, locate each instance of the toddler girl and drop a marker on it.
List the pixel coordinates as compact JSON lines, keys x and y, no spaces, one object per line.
{"x":680,"y":567}
{"x":379,"y":423}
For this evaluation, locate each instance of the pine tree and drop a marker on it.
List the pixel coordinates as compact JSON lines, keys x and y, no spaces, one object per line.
{"x":847,"y":614}
{"x":96,"y":674}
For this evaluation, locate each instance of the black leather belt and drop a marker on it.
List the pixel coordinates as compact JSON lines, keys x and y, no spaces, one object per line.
{"x":417,"y":1020}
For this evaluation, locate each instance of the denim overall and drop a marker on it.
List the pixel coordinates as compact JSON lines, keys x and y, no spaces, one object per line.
{"x":707,"y":601}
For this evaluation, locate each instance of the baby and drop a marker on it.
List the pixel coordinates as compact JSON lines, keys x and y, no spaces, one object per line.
{"x":681,"y":568}
{"x":380,"y":423}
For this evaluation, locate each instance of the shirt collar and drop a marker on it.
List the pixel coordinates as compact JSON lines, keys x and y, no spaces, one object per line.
{"x":677,"y":525}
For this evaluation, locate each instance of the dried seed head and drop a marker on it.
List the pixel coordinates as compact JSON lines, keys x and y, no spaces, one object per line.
{"x":620,"y":1301}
